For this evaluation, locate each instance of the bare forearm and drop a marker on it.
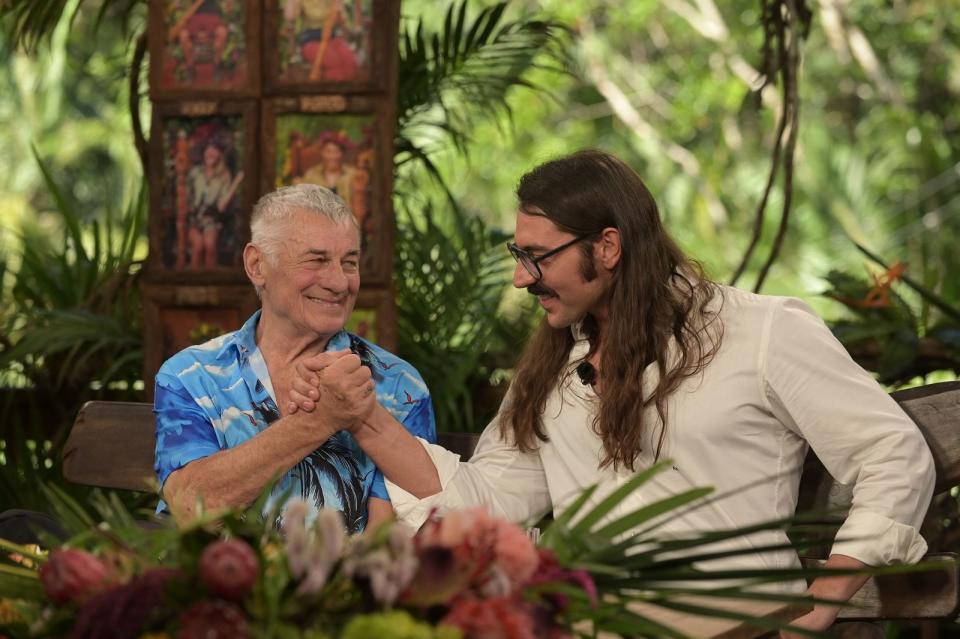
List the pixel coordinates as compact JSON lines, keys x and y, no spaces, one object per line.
{"x":236,"y":476}
{"x":838,"y":588}
{"x":398,"y":454}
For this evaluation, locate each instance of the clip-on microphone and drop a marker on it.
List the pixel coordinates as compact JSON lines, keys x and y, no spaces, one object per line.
{"x":587,"y":373}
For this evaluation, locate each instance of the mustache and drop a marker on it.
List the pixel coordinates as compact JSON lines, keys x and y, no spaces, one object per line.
{"x":539,"y":289}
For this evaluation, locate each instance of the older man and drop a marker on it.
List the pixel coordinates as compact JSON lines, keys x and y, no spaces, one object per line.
{"x":222,"y":437}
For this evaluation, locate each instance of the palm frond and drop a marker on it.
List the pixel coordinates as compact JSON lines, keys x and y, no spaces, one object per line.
{"x":449,"y":79}
{"x":451,"y":274}
{"x":31,"y":23}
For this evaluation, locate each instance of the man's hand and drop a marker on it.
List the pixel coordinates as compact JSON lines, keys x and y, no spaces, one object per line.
{"x":306,"y":380}
{"x":818,"y":620}
{"x":338,"y":386}
{"x":836,"y":588}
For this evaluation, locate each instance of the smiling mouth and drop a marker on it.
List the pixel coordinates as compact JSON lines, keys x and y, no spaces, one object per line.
{"x":323,"y":302}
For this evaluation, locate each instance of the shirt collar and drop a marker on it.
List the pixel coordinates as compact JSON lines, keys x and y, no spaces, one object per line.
{"x":245,"y":339}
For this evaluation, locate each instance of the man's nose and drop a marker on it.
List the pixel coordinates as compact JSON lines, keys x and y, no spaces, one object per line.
{"x":522,"y":277}
{"x":335,"y":278}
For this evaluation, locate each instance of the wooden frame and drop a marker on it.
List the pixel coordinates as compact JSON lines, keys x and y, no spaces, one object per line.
{"x":374,"y":318}
{"x":177,"y":316}
{"x":362,"y":129}
{"x":188,"y":244}
{"x":224,"y":56}
{"x":356,"y":59}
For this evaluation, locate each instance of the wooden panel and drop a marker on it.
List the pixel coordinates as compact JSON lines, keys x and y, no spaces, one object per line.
{"x":111,"y":445}
{"x":701,"y":627}
{"x":936,"y":410}
{"x":931,"y":594}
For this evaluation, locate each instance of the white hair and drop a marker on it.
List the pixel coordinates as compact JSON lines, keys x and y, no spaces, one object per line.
{"x":272,"y":212}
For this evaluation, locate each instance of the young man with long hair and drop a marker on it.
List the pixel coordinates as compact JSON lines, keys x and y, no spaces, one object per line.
{"x":641,"y":358}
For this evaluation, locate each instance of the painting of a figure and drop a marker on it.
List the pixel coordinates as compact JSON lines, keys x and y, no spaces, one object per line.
{"x":205,"y":45}
{"x":324,"y":41}
{"x":335,"y":151}
{"x":202,"y":192}
{"x":363,"y":322}
{"x":183,"y":327}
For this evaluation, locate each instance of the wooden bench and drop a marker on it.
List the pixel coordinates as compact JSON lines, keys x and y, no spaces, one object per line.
{"x":111,"y":445}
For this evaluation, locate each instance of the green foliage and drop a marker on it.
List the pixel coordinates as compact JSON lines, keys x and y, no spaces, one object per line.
{"x":75,"y":317}
{"x":450,"y":274}
{"x":450,"y":267}
{"x":898,"y":338}
{"x":70,"y":331}
{"x":452,"y":78}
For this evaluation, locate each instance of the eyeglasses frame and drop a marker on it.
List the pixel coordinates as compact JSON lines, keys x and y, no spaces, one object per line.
{"x":524,"y":257}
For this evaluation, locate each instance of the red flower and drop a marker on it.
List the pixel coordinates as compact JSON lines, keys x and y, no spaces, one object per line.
{"x":229,"y":568}
{"x":213,"y":620}
{"x":494,"y":618}
{"x":73,"y":575}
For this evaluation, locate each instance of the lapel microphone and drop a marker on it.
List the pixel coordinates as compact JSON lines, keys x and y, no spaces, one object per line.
{"x":587,"y":373}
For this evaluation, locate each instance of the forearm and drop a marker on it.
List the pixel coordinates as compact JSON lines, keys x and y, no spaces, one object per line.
{"x":397,"y":453}
{"x":836,"y":588}
{"x":236,"y":476}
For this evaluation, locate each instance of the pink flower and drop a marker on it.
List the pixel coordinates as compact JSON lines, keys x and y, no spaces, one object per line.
{"x":514,"y":551}
{"x":549,"y":571}
{"x":496,"y":618}
{"x":493,"y":548}
{"x":229,"y":568}
{"x":213,"y":620}
{"x":73,"y":575}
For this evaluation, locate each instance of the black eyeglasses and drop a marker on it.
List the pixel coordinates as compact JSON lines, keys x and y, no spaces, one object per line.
{"x":531,"y":263}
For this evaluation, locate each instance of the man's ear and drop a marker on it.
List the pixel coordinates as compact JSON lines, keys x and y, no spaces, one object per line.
{"x":253,"y":264}
{"x":608,"y":248}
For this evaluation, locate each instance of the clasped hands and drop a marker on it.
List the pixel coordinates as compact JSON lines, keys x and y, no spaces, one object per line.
{"x":335,"y":384}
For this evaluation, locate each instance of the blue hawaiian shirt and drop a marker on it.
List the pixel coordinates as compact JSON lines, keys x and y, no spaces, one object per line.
{"x":218,"y":395}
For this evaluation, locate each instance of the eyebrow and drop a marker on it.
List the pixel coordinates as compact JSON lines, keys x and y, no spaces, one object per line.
{"x":325,"y":253}
{"x":534,"y":247}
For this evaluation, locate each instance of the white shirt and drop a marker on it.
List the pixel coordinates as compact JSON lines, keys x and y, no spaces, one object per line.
{"x":779,"y":381}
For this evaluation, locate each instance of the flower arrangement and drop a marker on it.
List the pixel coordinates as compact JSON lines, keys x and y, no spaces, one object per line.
{"x":467,"y":575}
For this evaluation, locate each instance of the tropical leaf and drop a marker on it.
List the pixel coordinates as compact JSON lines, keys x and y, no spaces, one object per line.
{"x":451,"y":275}
{"x":449,"y":79}
{"x":30,"y":23}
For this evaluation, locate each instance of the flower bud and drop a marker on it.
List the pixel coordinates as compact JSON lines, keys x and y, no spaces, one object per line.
{"x":73,"y":575}
{"x":213,"y":620}
{"x":229,"y":568}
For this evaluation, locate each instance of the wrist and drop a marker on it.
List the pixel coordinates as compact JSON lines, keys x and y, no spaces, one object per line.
{"x":311,"y":430}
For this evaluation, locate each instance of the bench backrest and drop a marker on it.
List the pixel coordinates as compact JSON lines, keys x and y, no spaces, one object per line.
{"x":111,"y":445}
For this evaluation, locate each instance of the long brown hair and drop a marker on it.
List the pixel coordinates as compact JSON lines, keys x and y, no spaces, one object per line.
{"x":657,"y":295}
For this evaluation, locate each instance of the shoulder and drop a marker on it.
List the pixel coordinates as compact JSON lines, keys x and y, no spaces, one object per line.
{"x":389,"y":364}
{"x":214,"y":357}
{"x":743,"y":306}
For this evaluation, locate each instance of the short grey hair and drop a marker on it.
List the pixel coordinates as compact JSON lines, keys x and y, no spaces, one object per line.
{"x":272,"y":212}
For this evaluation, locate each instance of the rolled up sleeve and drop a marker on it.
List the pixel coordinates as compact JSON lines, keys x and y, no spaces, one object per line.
{"x":857,"y":430}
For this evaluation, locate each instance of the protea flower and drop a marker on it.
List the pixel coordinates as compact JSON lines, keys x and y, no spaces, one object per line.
{"x":73,"y":575}
{"x":229,"y":568}
{"x":213,"y":620}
